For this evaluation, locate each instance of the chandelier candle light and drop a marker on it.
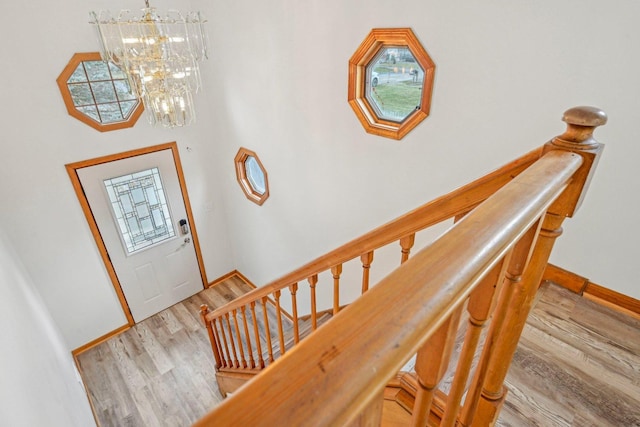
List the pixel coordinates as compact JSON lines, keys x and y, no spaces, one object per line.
{"x":160,"y":56}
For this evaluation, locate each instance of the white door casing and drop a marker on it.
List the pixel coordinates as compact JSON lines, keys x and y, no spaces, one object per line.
{"x":158,"y":275}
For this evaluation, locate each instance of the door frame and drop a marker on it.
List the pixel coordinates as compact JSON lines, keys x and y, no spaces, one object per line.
{"x":72,"y":169}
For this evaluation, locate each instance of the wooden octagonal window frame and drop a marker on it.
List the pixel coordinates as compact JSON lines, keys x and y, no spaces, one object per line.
{"x":244,"y":179}
{"x":378,"y":40}
{"x":64,"y":83}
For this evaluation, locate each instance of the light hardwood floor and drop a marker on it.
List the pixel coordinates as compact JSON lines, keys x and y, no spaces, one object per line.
{"x":578,"y":364}
{"x":161,"y":372}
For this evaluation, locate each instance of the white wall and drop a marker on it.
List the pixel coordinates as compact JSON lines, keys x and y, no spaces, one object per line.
{"x":276,"y":83}
{"x":40,"y":209}
{"x":506,"y":71}
{"x":39,"y":383}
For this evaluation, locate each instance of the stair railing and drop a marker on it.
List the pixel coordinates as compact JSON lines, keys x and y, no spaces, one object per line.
{"x":242,"y":348}
{"x":489,"y":263}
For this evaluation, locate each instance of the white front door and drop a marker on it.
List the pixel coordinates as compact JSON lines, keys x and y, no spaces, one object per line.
{"x":139,"y":210}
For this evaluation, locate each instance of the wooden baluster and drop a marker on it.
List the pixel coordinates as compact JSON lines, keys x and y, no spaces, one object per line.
{"x":294,"y":306}
{"x":265,"y":301}
{"x":578,"y":138}
{"x":406,"y":243}
{"x":243,"y":360}
{"x":229,"y":361}
{"x":256,"y":334}
{"x":517,"y":262}
{"x":252,"y":362}
{"x":204,"y":310}
{"x":234,"y":352}
{"x":517,"y":308}
{"x":336,"y":271}
{"x":280,"y":329}
{"x":313,"y":280}
{"x":480,"y":305}
{"x":366,"y":259}
{"x":215,"y":324}
{"x":431,"y":364}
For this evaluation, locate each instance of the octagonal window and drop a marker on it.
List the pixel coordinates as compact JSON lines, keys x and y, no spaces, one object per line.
{"x":394,"y":83}
{"x":390,"y":82}
{"x":98,"y":93}
{"x":252,"y":176}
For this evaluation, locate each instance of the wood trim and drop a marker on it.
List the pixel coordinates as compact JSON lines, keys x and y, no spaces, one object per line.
{"x":102,"y":249}
{"x":187,"y":205}
{"x":244,"y":278}
{"x":78,"y":351}
{"x":592,"y":291}
{"x":564,"y":278}
{"x":233,"y":273}
{"x":72,"y":169}
{"x":223,"y":278}
{"x":376,"y":40}
{"x":243,"y":179}
{"x":613,"y":299}
{"x":402,"y":390}
{"x":71,"y":108}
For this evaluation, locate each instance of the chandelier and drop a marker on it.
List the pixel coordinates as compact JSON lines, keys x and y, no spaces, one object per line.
{"x":160,"y":56}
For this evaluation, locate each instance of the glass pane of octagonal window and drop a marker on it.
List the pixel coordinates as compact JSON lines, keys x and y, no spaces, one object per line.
{"x":255,"y":175}
{"x":98,"y":93}
{"x":394,"y":83}
{"x":93,"y":85}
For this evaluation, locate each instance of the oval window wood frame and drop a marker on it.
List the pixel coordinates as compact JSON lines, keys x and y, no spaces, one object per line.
{"x":378,"y":39}
{"x":62,"y":80}
{"x":243,"y":180}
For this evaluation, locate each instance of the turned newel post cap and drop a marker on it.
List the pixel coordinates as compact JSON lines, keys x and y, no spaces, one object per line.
{"x":585,"y":116}
{"x":581,"y":122}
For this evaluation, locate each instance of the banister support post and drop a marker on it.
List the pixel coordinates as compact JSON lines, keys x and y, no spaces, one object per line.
{"x":204,"y":310}
{"x":578,"y":138}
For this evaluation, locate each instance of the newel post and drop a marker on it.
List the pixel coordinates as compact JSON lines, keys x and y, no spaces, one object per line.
{"x":204,"y":310}
{"x":578,"y":138}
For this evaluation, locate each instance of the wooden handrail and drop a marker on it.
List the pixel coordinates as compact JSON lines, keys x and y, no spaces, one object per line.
{"x":229,"y":348}
{"x":441,"y":209}
{"x":338,"y":371}
{"x":495,"y":253}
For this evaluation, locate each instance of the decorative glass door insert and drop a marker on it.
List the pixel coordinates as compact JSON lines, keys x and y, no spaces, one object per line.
{"x":139,"y":206}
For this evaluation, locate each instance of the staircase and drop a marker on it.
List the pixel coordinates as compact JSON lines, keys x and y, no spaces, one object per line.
{"x":483,"y":273}
{"x":250,"y":340}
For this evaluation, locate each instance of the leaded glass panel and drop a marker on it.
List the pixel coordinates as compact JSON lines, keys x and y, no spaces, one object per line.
{"x":90,"y":111}
{"x":78,"y":75}
{"x":103,"y":86}
{"x":140,"y":208}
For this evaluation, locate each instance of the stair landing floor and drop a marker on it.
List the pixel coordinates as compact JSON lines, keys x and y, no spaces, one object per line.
{"x":578,"y":364}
